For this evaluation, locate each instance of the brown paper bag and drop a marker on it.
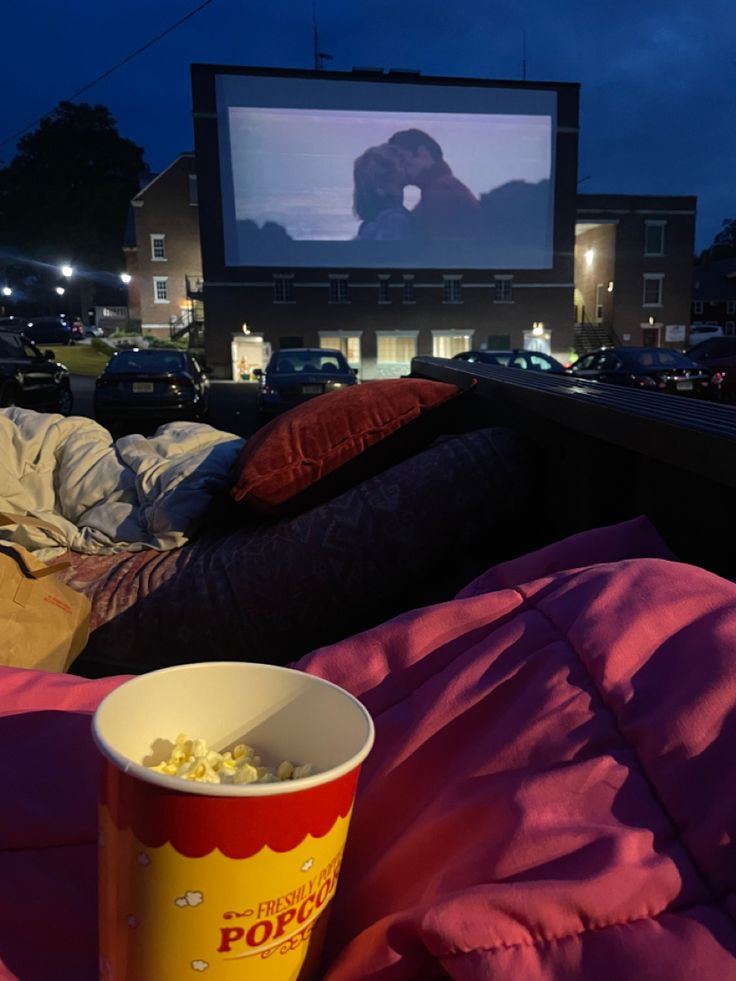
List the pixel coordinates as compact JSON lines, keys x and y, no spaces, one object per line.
{"x":43,"y":623}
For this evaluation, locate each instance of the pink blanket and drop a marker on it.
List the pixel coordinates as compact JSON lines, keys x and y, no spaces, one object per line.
{"x":551,"y":795}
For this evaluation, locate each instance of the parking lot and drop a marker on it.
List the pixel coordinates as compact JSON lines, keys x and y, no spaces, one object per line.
{"x":232,"y":405}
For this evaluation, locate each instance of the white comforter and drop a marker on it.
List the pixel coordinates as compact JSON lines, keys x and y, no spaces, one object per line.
{"x":103,"y":496}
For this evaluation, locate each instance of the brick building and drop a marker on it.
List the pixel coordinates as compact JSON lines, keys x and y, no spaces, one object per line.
{"x":714,"y":294}
{"x":633,"y":266}
{"x":165,"y":263}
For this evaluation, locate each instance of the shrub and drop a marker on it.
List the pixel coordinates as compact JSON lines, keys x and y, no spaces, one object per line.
{"x":103,"y":346}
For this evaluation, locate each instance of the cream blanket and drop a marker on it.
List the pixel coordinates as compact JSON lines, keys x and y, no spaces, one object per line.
{"x":104,"y":496}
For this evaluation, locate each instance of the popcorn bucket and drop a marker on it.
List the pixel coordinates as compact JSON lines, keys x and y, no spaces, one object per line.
{"x":202,"y":880}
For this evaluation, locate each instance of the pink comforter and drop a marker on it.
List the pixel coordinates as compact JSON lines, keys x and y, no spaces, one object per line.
{"x":551,"y":795}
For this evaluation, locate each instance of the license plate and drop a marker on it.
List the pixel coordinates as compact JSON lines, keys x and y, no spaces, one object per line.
{"x":311,"y":389}
{"x":142,"y":386}
{"x":685,"y":386}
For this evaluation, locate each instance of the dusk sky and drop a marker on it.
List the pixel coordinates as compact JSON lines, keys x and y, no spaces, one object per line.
{"x":658,"y":80}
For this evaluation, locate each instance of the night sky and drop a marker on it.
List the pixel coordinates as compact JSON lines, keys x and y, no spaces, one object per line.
{"x":658,"y":79}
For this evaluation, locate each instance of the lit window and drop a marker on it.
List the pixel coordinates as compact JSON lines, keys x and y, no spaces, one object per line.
{"x":346,"y":341}
{"x":407,"y":295}
{"x":339,"y":289}
{"x":450,"y":343}
{"x":599,"y":302}
{"x":451,"y":290}
{"x":161,"y":289}
{"x":503,"y":289}
{"x":653,"y":289}
{"x":193,"y":189}
{"x":158,"y":247}
{"x":283,"y":289}
{"x":395,"y":347}
{"x":654,"y":238}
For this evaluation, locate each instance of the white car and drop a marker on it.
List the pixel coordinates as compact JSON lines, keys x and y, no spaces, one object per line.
{"x":703,"y":332}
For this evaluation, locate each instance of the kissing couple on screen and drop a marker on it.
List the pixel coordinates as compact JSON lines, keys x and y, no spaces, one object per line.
{"x":447,"y":209}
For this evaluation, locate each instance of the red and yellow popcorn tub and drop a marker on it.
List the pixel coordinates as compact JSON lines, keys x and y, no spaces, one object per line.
{"x":222,"y":881}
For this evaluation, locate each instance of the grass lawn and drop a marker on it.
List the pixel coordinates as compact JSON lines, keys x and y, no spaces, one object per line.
{"x":80,"y":359}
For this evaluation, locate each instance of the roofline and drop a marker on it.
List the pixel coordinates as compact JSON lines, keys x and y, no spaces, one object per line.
{"x":161,"y":173}
{"x":379,"y":75}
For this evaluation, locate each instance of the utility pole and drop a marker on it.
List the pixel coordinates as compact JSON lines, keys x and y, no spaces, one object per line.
{"x":319,"y":56}
{"x":523,"y":54}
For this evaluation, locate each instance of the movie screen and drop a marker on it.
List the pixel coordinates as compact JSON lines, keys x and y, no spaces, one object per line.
{"x":339,"y":187}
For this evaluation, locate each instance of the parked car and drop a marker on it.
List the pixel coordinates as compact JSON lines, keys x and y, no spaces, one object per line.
{"x":48,"y":330}
{"x":702,"y":332}
{"x":651,"y":368}
{"x":156,"y":384}
{"x":92,"y":330}
{"x":718,"y":357}
{"x":517,"y":358}
{"x":30,"y":379}
{"x":294,"y":375}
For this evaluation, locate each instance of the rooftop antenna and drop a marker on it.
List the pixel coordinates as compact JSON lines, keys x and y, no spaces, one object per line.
{"x":319,"y":56}
{"x":523,"y":55}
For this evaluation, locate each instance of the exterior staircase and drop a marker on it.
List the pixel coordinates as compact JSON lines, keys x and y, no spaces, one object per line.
{"x":589,"y":337}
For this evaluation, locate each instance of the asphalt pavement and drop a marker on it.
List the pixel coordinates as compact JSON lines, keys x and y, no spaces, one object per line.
{"x":232,"y":405}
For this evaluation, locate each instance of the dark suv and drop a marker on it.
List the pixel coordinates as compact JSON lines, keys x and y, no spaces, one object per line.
{"x":30,"y":379}
{"x":47,"y":330}
{"x":718,"y":356}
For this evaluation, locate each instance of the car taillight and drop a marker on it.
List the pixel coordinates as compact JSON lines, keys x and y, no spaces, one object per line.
{"x":718,"y":377}
{"x":181,"y":381}
{"x":645,"y":381}
{"x":270,"y":390}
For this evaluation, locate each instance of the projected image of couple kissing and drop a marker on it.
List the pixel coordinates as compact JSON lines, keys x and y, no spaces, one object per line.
{"x":446,"y":210}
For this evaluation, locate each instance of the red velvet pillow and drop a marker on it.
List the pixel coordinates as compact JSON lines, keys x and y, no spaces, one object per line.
{"x":332,"y":442}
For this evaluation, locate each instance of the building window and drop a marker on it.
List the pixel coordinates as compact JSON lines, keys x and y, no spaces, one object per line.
{"x":730,"y":307}
{"x":339,"y":289}
{"x":384,"y":289}
{"x":653,"y":289}
{"x":158,"y":248}
{"x":599,"y":290}
{"x":451,"y":291}
{"x":448,"y":343}
{"x":407,"y":295}
{"x":503,"y":289}
{"x":395,"y":347}
{"x":346,"y":341}
{"x":160,"y":289}
{"x":697,"y":306}
{"x":654,"y":238}
{"x":283,"y":289}
{"x":193,"y":189}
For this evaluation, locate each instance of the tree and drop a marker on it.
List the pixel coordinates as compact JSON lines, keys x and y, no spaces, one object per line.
{"x":724,"y":243}
{"x":65,"y":195}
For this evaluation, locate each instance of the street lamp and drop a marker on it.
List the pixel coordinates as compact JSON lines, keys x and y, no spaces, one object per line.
{"x":125,"y":278}
{"x":60,"y":290}
{"x":67,"y":271}
{"x":7,"y":291}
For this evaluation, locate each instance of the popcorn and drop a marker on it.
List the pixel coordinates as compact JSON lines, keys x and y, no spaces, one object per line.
{"x":192,"y":759}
